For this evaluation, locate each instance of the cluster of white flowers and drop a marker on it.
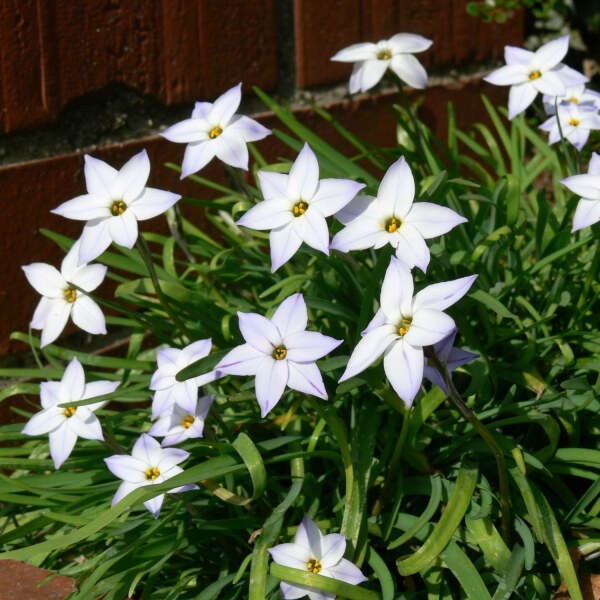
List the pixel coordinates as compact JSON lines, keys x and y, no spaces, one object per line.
{"x":573,"y":108}
{"x":280,"y":351}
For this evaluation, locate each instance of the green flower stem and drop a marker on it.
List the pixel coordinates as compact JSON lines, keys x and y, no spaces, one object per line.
{"x":488,"y":438}
{"x":144,"y":251}
{"x":390,"y":481}
{"x":571,"y":168}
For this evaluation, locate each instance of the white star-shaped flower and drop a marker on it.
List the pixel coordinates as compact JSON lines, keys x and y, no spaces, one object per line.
{"x":317,"y":553}
{"x":588,"y":187}
{"x":179,"y":425}
{"x":531,"y":72}
{"x":451,"y":358}
{"x":61,"y":300}
{"x":280,"y":352}
{"x":169,"y":392}
{"x":149,"y":464}
{"x":403,"y":326}
{"x":115,"y":202}
{"x":576,"y":122}
{"x":372,"y":61}
{"x":65,"y":424}
{"x":576,"y":94}
{"x":392,"y":218}
{"x":215,"y":130}
{"x":296,"y":205}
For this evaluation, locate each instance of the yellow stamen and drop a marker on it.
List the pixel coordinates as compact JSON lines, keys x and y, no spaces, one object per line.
{"x":300,"y":208}
{"x":152,"y":474}
{"x":118,"y":208}
{"x":187,"y":421}
{"x":384,"y":54}
{"x":574,"y":100}
{"x":280,"y":353}
{"x":70,"y":295}
{"x":392,"y":225}
{"x":574,"y":122}
{"x":313,"y":565}
{"x":70,"y":411}
{"x":534,"y":75}
{"x":404,"y":326}
{"x":215,"y":132}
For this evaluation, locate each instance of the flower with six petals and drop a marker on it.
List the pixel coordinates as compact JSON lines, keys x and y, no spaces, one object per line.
{"x":403,"y":326}
{"x":529,"y":73}
{"x":393,"y":218}
{"x":317,"y":553}
{"x":115,"y":202}
{"x":576,"y":122}
{"x":148,"y":464}
{"x":60,"y":300}
{"x":215,"y":130}
{"x":296,"y":205}
{"x":65,"y":424}
{"x":372,"y":61}
{"x":280,"y":352}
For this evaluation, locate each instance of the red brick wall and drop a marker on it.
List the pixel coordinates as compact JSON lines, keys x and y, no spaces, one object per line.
{"x":52,"y":52}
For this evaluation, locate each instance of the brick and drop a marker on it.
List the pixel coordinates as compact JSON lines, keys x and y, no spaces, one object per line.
{"x":22,"y":581}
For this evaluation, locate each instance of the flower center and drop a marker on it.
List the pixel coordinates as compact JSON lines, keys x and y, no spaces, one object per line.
{"x":70,"y":295}
{"x":187,"y":421}
{"x":118,"y":208}
{"x":392,"y":224}
{"x":574,"y":100}
{"x":534,"y":75}
{"x":404,"y":325}
{"x":384,"y":54}
{"x":314,"y":565}
{"x":215,"y":132}
{"x":280,"y":353}
{"x":152,"y":474}
{"x":69,"y":411}
{"x":574,"y":122}
{"x":300,"y":208}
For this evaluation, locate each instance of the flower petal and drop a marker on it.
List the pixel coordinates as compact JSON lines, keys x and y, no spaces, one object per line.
{"x":268,"y":214}
{"x":304,"y":176}
{"x":409,"y":43}
{"x":333,"y":547}
{"x":403,"y":366}
{"x":273,"y":185}
{"x":428,"y":327}
{"x":410,"y":70}
{"x":189,"y":130}
{"x":347,"y":571}
{"x":248,"y":129}
{"x":123,"y":490}
{"x":356,"y":52}
{"x":196,"y":157}
{"x":369,"y":73}
{"x":43,"y":422}
{"x":432,"y":220}
{"x":290,"y":555}
{"x":549,"y":83}
{"x":73,"y":382}
{"x":312,"y":228}
{"x":440,"y":296}
{"x":550,"y":54}
{"x":586,"y":186}
{"x":259,"y":332}
{"x":284,"y":242}
{"x":147,"y":449}
{"x":306,"y":378}
{"x":513,"y":54}
{"x":242,"y":360}
{"x":309,"y":536}
{"x":334,"y":194}
{"x":85,"y":424}
{"x":397,"y":291}
{"x":512,"y":74}
{"x":411,"y":248}
{"x":587,"y":213}
{"x":88,"y":278}
{"x":57,"y":318}
{"x":132,"y":178}
{"x":87,"y":315}
{"x":45,"y":280}
{"x":360,"y":234}
{"x":225,"y":106}
{"x":569,"y":76}
{"x":308,"y":346}
{"x":519,"y":98}
{"x":271,"y":379}
{"x":231,"y":149}
{"x":94,"y":240}
{"x":369,"y":349}
{"x":124,"y":229}
{"x":84,"y":208}
{"x":152,"y":202}
{"x":291,"y":316}
{"x":99,"y":176}
{"x":62,"y":442}
{"x":397,"y":190}
{"x":154,"y":505}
